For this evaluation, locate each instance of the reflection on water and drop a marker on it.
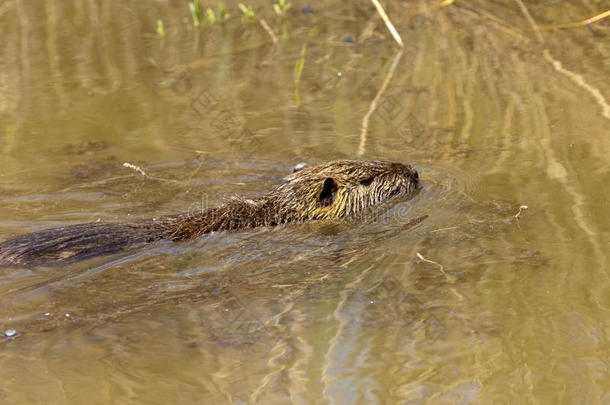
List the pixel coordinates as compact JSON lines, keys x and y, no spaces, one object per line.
{"x":493,"y":113}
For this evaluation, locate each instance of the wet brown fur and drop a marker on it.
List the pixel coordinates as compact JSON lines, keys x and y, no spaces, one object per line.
{"x":332,"y":190}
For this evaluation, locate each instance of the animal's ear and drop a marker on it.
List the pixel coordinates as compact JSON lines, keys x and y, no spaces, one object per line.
{"x":328,"y":192}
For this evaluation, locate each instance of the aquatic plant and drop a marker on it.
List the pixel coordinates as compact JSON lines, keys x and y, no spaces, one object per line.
{"x":222,"y":14}
{"x":248,"y":11}
{"x":298,"y":71}
{"x":196,"y":12}
{"x":210,"y":16}
{"x":160,"y":29}
{"x":280,"y":7}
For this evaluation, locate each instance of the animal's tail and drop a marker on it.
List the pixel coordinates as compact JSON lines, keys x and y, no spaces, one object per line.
{"x":76,"y":242}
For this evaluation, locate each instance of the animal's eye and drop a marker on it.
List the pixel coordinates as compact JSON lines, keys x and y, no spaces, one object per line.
{"x":367,"y":182}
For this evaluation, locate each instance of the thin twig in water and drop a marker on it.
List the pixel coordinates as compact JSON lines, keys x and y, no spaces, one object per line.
{"x":134,"y":167}
{"x":522,"y":208}
{"x":268,"y":29}
{"x":580,"y":81}
{"x":450,"y":278}
{"x":373,"y":106}
{"x":440,"y":266}
{"x":388,"y":23}
{"x":530,"y":19}
{"x":196,"y":151}
{"x":442,"y":4}
{"x":139,"y":170}
{"x":444,"y":229}
{"x":575,"y":77}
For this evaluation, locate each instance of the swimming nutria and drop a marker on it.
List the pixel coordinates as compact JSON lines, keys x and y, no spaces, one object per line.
{"x":328,"y":191}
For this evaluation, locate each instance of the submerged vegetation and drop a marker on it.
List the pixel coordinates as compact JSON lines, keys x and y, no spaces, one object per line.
{"x":222,"y":15}
{"x":160,"y":29}
{"x":196,"y":12}
{"x":298,"y":71}
{"x":248,"y":11}
{"x":281,"y":7}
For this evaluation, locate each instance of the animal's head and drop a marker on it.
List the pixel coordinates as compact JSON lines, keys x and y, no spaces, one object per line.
{"x":343,"y":188}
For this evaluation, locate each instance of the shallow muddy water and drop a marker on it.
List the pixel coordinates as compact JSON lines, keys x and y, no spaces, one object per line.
{"x":493,"y":114}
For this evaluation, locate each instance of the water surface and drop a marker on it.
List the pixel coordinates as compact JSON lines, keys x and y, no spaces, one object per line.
{"x":493,"y":115}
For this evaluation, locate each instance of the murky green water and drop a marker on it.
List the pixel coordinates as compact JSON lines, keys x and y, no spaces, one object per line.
{"x":492,"y":115}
